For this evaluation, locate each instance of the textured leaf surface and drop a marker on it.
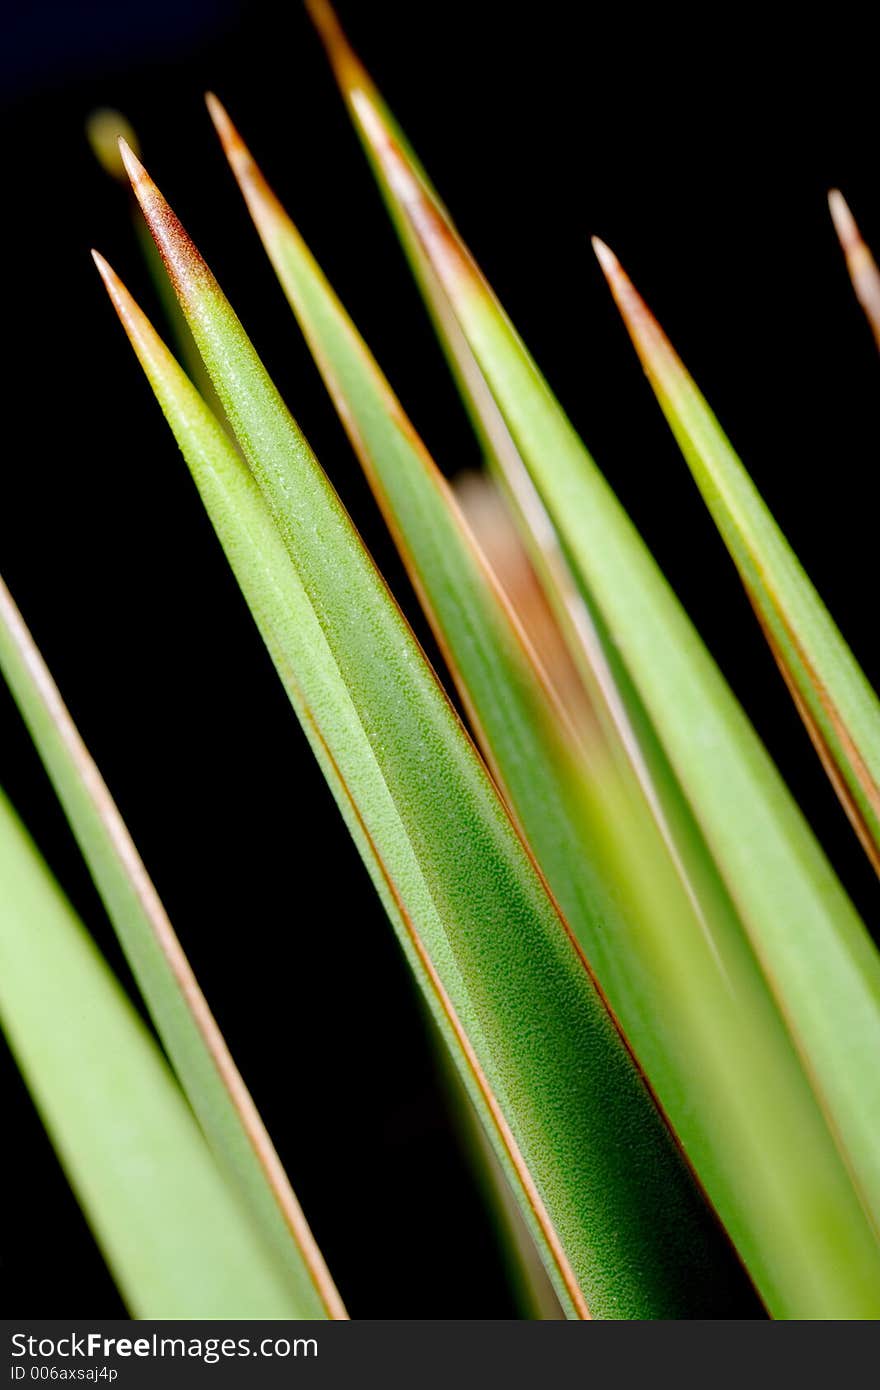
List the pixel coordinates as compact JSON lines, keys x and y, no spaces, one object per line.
{"x":178,"y":1007}
{"x":817,"y":959}
{"x":173,"y":1233}
{"x":839,"y":708}
{"x":532,"y":746}
{"x":620,"y":1223}
{"x":104,"y":129}
{"x":683,"y":986}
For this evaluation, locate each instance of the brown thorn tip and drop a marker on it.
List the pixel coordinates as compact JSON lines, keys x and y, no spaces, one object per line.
{"x":323,"y":17}
{"x":112,"y":282}
{"x":330,"y":31}
{"x":133,"y":166}
{"x":222,"y":124}
{"x":215,"y":107}
{"x":844,"y":222}
{"x":234,"y":148}
{"x":606,"y":257}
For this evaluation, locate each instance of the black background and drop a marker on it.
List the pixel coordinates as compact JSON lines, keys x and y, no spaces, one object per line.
{"x":702,"y":154}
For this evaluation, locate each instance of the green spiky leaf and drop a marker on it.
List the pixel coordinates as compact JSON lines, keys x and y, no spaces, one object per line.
{"x":682,"y":981}
{"x":177,"y":1005}
{"x":817,"y":959}
{"x":621,"y":1225}
{"x":173,"y":1232}
{"x":839,"y":708}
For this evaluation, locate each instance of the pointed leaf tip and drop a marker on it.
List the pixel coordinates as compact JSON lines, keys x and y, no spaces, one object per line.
{"x":112,"y":282}
{"x":331,"y":33}
{"x":184,"y":265}
{"x":347,"y":67}
{"x":655,"y":351}
{"x":145,"y":189}
{"x":860,"y":262}
{"x":119,"y":296}
{"x":129,"y":313}
{"x":322,"y":16}
{"x":133,"y":166}
{"x":216,"y":109}
{"x":219,"y":115}
{"x":234,"y":148}
{"x":838,"y":706}
{"x":626,"y":296}
{"x":844,"y":222}
{"x":605,"y":256}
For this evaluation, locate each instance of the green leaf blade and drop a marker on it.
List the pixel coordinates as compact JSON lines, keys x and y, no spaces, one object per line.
{"x":671,"y":976}
{"x":176,"y":1003}
{"x":558,"y":1091}
{"x":813,"y":950}
{"x":841,"y":711}
{"x":524,"y":732}
{"x":173,"y":1233}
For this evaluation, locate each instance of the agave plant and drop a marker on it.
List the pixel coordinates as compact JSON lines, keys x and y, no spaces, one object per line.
{"x":660,"y":1003}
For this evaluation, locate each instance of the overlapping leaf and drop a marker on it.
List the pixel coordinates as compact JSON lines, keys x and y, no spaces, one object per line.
{"x":683,"y":985}
{"x":182,"y":1017}
{"x":174,"y":1234}
{"x":104,"y":130}
{"x":839,"y":708}
{"x":817,"y":958}
{"x":620,"y":1223}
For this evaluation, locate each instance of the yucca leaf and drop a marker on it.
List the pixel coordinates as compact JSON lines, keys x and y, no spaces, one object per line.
{"x":574,"y":636}
{"x":178,"y":1007}
{"x":499,"y":448}
{"x":523,"y":730}
{"x":529,"y":1279}
{"x":172,"y":1231}
{"x":676,"y":981}
{"x":839,"y":708}
{"x":621,"y":1226}
{"x":860,"y":263}
{"x":818,"y":960}
{"x":104,"y":130}
{"x":260,"y":563}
